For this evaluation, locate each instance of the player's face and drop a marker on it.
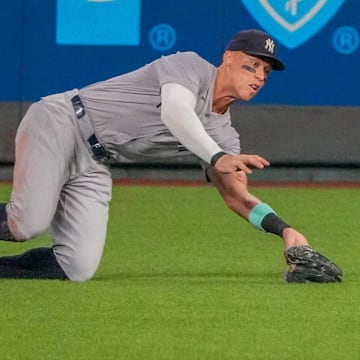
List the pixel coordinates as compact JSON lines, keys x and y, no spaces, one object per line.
{"x":246,"y":75}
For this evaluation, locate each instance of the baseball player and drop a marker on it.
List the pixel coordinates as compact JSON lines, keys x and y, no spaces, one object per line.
{"x":171,"y":107}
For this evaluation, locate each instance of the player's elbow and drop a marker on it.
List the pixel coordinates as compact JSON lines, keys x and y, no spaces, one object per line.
{"x":240,"y":203}
{"x":232,"y":203}
{"x":238,"y":208}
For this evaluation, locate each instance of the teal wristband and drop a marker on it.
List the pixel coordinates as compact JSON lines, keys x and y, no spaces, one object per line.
{"x":257,"y":214}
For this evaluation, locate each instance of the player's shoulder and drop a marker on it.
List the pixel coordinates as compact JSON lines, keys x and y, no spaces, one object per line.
{"x":187,"y":57}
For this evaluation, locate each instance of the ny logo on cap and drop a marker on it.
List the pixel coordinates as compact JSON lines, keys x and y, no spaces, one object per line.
{"x":269,"y":46}
{"x":293,"y":22}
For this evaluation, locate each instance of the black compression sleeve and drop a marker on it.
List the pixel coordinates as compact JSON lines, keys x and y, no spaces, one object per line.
{"x":273,"y":224}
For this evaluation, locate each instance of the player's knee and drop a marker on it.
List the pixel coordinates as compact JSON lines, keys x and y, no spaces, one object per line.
{"x":24,"y":225}
{"x":83,"y":276}
{"x":78,"y":268}
{"x":23,"y":232}
{"x":83,"y":273}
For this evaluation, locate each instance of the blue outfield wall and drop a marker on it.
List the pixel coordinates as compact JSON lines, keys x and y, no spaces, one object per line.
{"x":306,"y":115}
{"x":49,"y":46}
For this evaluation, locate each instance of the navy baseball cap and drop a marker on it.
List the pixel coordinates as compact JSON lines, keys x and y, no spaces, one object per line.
{"x":256,"y":43}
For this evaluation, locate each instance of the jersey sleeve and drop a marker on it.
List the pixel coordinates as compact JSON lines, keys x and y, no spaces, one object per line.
{"x":187,"y":69}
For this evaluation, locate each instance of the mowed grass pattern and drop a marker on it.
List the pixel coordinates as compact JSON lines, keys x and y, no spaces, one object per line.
{"x":184,"y":278}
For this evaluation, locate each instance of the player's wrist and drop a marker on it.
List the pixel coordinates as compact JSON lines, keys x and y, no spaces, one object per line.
{"x":216,"y":157}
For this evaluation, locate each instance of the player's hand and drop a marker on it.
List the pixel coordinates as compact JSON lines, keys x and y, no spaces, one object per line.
{"x":228,"y":164}
{"x":293,"y":237}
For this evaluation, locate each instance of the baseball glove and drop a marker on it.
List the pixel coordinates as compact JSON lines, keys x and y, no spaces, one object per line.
{"x":307,"y":265}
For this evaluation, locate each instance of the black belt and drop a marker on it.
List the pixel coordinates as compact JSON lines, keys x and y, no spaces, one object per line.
{"x":97,"y":149}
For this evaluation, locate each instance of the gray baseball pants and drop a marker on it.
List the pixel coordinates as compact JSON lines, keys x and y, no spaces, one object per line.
{"x":59,"y":187}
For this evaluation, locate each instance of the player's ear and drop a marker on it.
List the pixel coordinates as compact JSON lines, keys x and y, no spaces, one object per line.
{"x":228,"y":57}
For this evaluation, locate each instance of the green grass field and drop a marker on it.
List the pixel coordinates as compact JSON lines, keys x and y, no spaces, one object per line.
{"x":184,"y":278}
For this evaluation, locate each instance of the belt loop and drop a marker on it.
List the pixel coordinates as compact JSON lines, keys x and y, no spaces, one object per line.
{"x":78,"y":106}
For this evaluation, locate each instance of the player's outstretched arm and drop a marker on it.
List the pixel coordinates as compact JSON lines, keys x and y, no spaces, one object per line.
{"x":304,"y":263}
{"x":234,"y":191}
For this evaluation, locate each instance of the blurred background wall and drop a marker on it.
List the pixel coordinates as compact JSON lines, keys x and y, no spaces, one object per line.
{"x":305,"y":121}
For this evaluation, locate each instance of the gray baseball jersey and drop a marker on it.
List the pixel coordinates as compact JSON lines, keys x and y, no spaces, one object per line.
{"x":59,"y":186}
{"x":125,"y":110}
